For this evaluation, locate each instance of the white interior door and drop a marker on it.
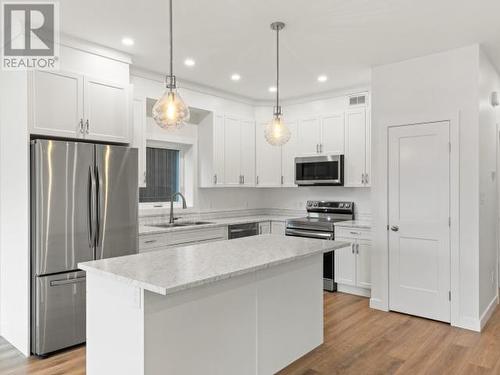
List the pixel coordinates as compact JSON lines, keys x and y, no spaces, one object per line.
{"x":419,"y":210}
{"x":106,"y":110}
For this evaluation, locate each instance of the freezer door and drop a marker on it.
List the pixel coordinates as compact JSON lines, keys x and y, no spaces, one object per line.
{"x":117,"y":201}
{"x":58,"y":319}
{"x":61,"y":188}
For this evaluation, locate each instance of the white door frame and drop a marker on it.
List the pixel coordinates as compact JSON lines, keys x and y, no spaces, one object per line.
{"x":454,"y":121}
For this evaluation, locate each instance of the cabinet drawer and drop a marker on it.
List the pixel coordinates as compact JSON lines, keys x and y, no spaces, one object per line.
{"x":352,"y":233}
{"x":152,"y":241}
{"x":189,"y":237}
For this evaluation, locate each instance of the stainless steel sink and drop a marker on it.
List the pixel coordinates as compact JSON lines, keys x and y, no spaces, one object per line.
{"x":180,"y":224}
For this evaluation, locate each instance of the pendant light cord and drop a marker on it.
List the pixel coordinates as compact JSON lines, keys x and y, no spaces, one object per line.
{"x":277,"y":67}
{"x":171,"y":48}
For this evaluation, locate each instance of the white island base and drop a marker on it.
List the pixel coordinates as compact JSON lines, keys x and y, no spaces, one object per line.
{"x":253,"y":323}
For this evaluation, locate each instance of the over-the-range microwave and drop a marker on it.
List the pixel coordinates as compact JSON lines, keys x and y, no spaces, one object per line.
{"x":327,"y":170}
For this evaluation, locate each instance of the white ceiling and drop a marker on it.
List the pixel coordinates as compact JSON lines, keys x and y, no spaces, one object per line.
{"x":339,"y":38}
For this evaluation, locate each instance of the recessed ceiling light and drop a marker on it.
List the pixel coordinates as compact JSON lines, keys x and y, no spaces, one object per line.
{"x":235,"y":77}
{"x":189,"y":62}
{"x":127,"y":41}
{"x":322,"y":78}
{"x":272,"y":89}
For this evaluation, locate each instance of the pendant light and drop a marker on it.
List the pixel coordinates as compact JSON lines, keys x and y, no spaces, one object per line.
{"x":170,"y":111}
{"x":276,"y":132}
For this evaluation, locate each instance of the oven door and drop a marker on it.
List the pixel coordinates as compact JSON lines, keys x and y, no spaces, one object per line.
{"x":329,"y":283}
{"x":320,"y":170}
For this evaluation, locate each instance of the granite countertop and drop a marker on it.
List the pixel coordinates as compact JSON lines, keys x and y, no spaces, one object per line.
{"x":149,"y":229}
{"x":172,"y":270}
{"x":354,"y":224}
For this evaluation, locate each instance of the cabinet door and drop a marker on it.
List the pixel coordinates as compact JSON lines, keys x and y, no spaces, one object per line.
{"x":268,"y":161}
{"x":139,"y":138}
{"x":278,"y":227}
{"x":232,"y":152}
{"x":345,"y":265}
{"x":265,"y":227}
{"x":309,"y":133}
{"x":218,"y":150}
{"x":363,"y":264}
{"x":106,"y":110}
{"x":332,"y":134}
{"x":247,"y":152}
{"x":368,"y":156}
{"x":56,"y":103}
{"x":288,"y":153}
{"x":355,"y":147}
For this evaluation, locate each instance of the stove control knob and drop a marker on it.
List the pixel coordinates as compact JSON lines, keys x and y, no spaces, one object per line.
{"x":341,"y":205}
{"x":315,"y":204}
{"x":309,"y":203}
{"x":347,"y":205}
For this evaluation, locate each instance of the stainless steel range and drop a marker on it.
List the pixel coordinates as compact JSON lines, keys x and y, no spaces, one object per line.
{"x":319,"y":223}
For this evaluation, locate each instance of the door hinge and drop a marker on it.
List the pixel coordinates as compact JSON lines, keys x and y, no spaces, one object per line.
{"x":449,"y":295}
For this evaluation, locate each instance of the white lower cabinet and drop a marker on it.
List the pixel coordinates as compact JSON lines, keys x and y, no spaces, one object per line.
{"x":278,"y":227}
{"x":265,"y":227}
{"x":149,"y":242}
{"x":353,"y":263}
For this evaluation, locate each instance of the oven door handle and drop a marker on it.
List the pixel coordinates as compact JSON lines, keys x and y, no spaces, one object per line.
{"x":309,"y":234}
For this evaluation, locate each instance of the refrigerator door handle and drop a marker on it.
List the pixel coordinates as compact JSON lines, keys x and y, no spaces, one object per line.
{"x":97,"y":196}
{"x":91,"y":207}
{"x":67,"y":281}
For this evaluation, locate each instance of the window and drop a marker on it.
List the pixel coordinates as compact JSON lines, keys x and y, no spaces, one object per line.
{"x":162,"y":175}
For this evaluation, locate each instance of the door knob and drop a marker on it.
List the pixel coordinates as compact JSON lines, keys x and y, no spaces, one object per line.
{"x":394,"y":228}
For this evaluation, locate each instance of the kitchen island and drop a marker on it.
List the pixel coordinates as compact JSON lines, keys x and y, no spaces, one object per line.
{"x":246,"y":306}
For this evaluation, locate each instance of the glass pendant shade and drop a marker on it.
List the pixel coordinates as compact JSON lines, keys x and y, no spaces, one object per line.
{"x":170,"y":111}
{"x":276,"y":132}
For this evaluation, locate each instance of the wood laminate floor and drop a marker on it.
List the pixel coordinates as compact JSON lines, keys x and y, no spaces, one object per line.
{"x":358,"y":340}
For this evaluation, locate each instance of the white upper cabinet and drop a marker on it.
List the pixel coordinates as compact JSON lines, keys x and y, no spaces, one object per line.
{"x":139,"y":137}
{"x":56,"y":103}
{"x":211,"y":149}
{"x":356,"y":146}
{"x":332,"y":134}
{"x":247,"y":152}
{"x":268,"y":160}
{"x":288,"y":153}
{"x":232,"y":162}
{"x":65,"y":104}
{"x":309,"y":133}
{"x":106,"y":110}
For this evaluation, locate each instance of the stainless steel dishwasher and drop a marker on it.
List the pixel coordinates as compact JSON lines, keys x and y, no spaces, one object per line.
{"x":243,"y":230}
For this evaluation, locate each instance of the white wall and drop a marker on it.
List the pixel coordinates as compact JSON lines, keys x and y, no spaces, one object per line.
{"x":438,"y":86}
{"x":489,"y":81}
{"x":14,"y":210}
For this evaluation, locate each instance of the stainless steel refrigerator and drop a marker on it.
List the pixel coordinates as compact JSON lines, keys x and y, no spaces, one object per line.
{"x":84,"y":204}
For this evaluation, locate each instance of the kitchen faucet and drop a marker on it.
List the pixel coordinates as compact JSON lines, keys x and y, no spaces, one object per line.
{"x":184,"y":206}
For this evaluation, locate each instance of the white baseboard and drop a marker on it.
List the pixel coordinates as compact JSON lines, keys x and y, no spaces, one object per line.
{"x":354,"y":290}
{"x":377,"y":304}
{"x":488,"y":312}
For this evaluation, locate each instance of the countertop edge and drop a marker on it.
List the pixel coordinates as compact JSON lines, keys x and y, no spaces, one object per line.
{"x":209,"y":280}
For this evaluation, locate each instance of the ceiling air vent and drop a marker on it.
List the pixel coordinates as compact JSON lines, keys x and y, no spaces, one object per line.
{"x":357,"y":100}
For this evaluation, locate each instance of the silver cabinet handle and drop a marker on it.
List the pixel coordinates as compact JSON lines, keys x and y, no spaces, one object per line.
{"x":362,"y":178}
{"x":357,"y":233}
{"x":282,"y":180}
{"x":215,"y":179}
{"x":395,"y":228}
{"x":150,"y":241}
{"x":144,"y":176}
{"x":366,"y":178}
{"x":321,"y":148}
{"x":357,"y":248}
{"x":81,"y":126}
{"x":87,"y":125}
{"x":352,"y":248}
{"x":243,"y":179}
{"x":257,"y":180}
